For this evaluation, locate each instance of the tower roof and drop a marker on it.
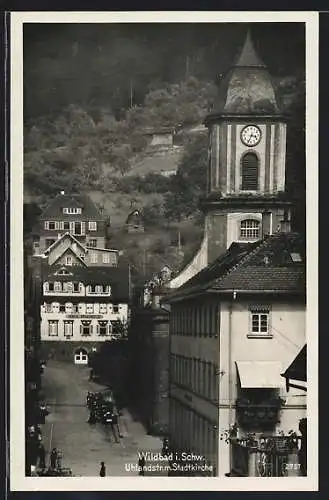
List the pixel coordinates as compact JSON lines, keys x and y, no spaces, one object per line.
{"x":248,"y":57}
{"x":247,"y":88}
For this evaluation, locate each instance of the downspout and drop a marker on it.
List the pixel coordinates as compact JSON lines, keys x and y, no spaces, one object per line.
{"x":230,"y":392}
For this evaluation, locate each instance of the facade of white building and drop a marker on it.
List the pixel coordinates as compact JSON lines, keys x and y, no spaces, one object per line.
{"x":82,"y":307}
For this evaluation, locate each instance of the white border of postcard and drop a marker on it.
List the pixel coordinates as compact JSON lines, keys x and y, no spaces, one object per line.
{"x":18,"y":481}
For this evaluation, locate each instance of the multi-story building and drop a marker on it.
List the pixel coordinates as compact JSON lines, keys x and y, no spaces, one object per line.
{"x":81,"y":307}
{"x":85,"y":293}
{"x":75,"y":214}
{"x":235,"y":326}
{"x":238,"y":312}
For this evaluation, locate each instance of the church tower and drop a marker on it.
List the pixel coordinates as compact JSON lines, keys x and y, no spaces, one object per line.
{"x":245,"y":199}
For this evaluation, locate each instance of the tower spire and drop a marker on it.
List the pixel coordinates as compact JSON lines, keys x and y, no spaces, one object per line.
{"x":248,"y":56}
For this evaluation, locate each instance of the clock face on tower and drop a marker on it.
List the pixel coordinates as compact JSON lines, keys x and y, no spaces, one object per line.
{"x":251,"y":135}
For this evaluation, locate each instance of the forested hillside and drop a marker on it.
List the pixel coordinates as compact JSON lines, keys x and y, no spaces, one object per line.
{"x":91,"y":92}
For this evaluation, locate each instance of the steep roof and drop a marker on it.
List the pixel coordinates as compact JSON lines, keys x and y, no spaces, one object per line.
{"x":247,"y":88}
{"x":59,"y":240}
{"x":275,"y":264}
{"x":116,"y":277}
{"x":55,"y":208}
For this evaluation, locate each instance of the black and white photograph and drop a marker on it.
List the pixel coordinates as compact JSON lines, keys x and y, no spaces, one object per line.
{"x":161,"y":322}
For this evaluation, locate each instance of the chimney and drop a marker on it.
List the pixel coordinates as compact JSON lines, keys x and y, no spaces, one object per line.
{"x":267,"y":223}
{"x":285,"y":226}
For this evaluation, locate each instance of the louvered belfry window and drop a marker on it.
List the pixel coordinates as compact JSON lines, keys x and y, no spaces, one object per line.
{"x":250,"y":170}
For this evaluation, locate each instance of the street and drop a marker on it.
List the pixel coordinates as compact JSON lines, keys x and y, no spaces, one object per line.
{"x":83,"y":446}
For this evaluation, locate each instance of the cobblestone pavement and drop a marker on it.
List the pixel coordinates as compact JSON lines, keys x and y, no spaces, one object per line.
{"x":84,"y":446}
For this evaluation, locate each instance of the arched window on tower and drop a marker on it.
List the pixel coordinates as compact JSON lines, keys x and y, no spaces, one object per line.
{"x":250,"y":172}
{"x":249,"y":229}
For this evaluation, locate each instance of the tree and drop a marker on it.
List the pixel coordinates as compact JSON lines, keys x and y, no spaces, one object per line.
{"x":190,"y":181}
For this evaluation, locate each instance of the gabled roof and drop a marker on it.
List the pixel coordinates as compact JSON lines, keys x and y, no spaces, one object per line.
{"x":116,"y":277}
{"x":69,"y":250}
{"x":55,"y":208}
{"x":74,"y":240}
{"x":268,"y":266}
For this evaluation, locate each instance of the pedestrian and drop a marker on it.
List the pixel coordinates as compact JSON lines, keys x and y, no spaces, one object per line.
{"x":141,"y":465}
{"x":165,"y":447}
{"x":59,"y":459}
{"x":115,"y":428}
{"x":92,"y":417}
{"x":102,"y":471}
{"x":53,"y":458}
{"x":42,"y":457}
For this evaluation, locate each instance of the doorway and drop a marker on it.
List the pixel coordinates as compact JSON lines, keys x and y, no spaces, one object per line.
{"x":80,"y":357}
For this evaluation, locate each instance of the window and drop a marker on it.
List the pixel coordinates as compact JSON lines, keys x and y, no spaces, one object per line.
{"x":249,"y":229}
{"x":249,"y":171}
{"x":62,"y":308}
{"x":92,"y":243}
{"x":72,"y":211}
{"x":53,"y":328}
{"x":68,"y":328}
{"x":115,"y":309}
{"x":94,"y":258}
{"x":259,"y":323}
{"x":66,"y":226}
{"x":48,"y":308}
{"x":68,"y":287}
{"x":102,"y":328}
{"x":51,"y":225}
{"x":75,"y":308}
{"x":98,"y":289}
{"x":92,"y":226}
{"x":57,"y":286}
{"x":51,"y":287}
{"x":260,"y":320}
{"x":85,"y":328}
{"x":69,"y":260}
{"x":90,"y":308}
{"x":103,"y":308}
{"x":75,"y":287}
{"x":91,"y":288}
{"x":106,"y":258}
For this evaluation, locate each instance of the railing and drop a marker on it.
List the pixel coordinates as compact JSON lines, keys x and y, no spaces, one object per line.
{"x":269,"y":457}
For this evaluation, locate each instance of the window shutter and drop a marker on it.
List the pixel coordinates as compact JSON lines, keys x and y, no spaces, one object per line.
{"x":83,"y":228}
{"x":46,"y":224}
{"x":249,"y":172}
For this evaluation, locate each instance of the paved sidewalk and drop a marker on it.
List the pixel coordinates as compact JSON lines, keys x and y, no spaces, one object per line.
{"x":84,"y":446}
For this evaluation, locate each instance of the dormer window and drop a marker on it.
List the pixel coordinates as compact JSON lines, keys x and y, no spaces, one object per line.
{"x":249,"y":172}
{"x":249,"y":229}
{"x":72,"y":211}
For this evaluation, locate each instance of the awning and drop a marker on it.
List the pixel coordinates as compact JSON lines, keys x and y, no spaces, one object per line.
{"x":260,"y":374}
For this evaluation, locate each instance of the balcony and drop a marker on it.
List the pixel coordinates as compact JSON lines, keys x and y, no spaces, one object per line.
{"x":262,"y":414}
